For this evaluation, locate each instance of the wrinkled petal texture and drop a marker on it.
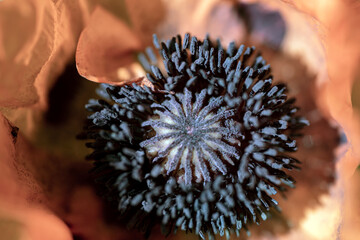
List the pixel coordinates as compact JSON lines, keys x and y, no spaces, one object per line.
{"x":341,"y":41}
{"x":37,"y":38}
{"x":21,"y":58}
{"x":71,"y":17}
{"x":343,"y":65}
{"x":337,"y":24}
{"x":25,"y":80}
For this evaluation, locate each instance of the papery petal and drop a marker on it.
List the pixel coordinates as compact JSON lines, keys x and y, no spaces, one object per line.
{"x":105,"y":45}
{"x":343,"y":64}
{"x":340,"y":34}
{"x":8,"y":184}
{"x":303,"y":38}
{"x":71,"y":17}
{"x":66,"y":20}
{"x":37,"y":38}
{"x":343,"y":60}
{"x":341,"y":20}
{"x":26,"y":42}
{"x":13,"y":188}
{"x":19,"y":215}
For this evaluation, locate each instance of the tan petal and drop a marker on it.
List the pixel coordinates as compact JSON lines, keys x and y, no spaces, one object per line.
{"x":67,"y":20}
{"x":35,"y":47}
{"x":25,"y":45}
{"x":8,"y":186}
{"x":343,"y":63}
{"x":71,"y":17}
{"x":105,"y":45}
{"x":18,"y":217}
{"x":338,"y":25}
{"x":13,"y":188}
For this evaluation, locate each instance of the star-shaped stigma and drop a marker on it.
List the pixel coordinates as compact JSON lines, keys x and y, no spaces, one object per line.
{"x":193,"y":140}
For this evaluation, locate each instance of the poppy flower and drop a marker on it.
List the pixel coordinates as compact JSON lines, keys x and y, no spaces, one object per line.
{"x":48,"y":118}
{"x":314,"y":161}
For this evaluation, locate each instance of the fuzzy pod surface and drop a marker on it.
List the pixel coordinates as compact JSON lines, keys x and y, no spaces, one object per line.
{"x":204,"y":148}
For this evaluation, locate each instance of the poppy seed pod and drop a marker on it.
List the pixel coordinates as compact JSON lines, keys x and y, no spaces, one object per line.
{"x":204,"y":148}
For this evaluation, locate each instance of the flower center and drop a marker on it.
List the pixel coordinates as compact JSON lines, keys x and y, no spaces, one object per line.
{"x":191,"y":139}
{"x":190,"y":130}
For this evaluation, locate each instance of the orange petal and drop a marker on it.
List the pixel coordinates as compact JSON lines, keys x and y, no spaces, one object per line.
{"x":105,"y":45}
{"x":25,"y":45}
{"x":343,"y":63}
{"x":17,"y":185}
{"x":24,"y":223}
{"x":351,"y":213}
{"x":13,"y":188}
{"x":17,"y":215}
{"x":340,"y":20}
{"x":8,"y":186}
{"x":67,"y":18}
{"x":343,"y":60}
{"x":71,"y":17}
{"x":35,"y":47}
